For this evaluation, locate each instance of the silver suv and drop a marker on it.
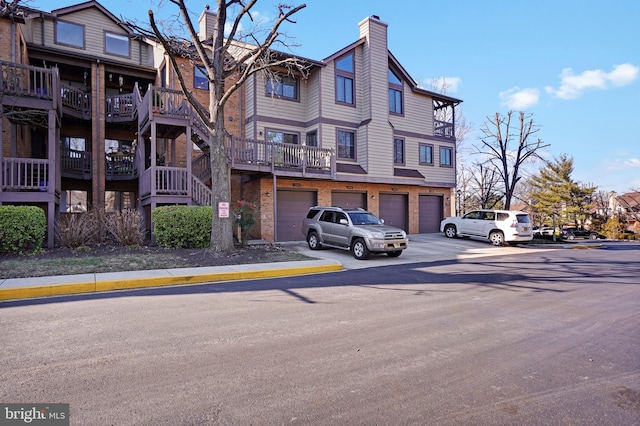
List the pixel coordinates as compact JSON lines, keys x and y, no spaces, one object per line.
{"x":352,"y":229}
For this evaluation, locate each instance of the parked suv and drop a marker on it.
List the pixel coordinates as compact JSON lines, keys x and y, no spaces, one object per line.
{"x":352,"y":229}
{"x":572,"y":232}
{"x":498,"y":226}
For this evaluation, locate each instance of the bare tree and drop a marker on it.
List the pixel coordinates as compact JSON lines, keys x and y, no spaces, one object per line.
{"x":221,"y":57}
{"x":507,"y":151}
{"x":8,"y":8}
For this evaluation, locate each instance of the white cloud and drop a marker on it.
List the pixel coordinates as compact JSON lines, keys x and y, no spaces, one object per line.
{"x":627,"y":163}
{"x":520,"y":99}
{"x":572,"y":85}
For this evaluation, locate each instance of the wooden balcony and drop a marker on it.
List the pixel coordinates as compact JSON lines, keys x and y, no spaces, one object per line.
{"x":280,"y":158}
{"x":25,"y":174}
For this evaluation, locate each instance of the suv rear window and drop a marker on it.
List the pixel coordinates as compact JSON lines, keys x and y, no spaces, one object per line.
{"x":523,"y":218}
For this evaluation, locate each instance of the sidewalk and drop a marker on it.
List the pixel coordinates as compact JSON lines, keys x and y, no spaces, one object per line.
{"x":25,"y":288}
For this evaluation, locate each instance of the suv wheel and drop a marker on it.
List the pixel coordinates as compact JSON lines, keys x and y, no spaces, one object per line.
{"x":312,"y":240}
{"x":450,"y":231}
{"x":571,"y":237}
{"x":359,"y":249}
{"x":593,"y":236}
{"x":496,"y":238}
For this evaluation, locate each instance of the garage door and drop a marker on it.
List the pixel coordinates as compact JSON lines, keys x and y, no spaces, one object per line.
{"x":351,"y":200}
{"x":430,"y":213}
{"x":393,"y":209}
{"x":292,"y":207}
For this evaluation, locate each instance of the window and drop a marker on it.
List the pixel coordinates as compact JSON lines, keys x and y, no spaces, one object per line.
{"x":73,"y":201}
{"x":282,"y":137}
{"x":200,"y":79}
{"x":75,"y":144}
{"x":395,"y":93}
{"x":286,"y":88}
{"x":116,"y":44}
{"x":344,"y":79}
{"x":398,"y":151}
{"x":446,"y":158}
{"x":346,"y":144}
{"x":312,"y":138}
{"x":70,"y":34}
{"x":426,"y":154}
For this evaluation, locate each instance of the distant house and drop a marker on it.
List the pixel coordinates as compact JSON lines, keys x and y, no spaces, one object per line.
{"x":93,"y":118}
{"x":627,"y":207}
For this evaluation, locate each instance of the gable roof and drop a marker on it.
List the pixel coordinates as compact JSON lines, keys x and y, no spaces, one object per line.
{"x":88,"y":5}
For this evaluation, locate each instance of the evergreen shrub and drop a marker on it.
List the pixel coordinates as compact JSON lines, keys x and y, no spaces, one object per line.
{"x":22,"y":229}
{"x":182,"y":226}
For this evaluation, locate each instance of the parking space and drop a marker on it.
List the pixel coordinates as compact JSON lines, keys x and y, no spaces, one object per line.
{"x":422,"y":248}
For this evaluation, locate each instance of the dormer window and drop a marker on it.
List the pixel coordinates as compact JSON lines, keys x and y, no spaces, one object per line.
{"x":395,"y":93}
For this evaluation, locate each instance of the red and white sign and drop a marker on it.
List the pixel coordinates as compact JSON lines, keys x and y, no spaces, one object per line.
{"x":223,"y":210}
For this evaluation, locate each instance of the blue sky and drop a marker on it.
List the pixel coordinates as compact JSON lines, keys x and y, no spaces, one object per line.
{"x":573,"y":64}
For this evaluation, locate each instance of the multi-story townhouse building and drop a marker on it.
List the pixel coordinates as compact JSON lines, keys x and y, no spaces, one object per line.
{"x":93,"y":118}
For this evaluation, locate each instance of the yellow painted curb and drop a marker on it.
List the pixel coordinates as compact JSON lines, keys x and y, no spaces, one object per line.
{"x":167,"y":280}
{"x":586,"y":247}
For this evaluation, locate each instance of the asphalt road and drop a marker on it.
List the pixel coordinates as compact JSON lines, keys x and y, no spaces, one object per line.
{"x":527,"y":337}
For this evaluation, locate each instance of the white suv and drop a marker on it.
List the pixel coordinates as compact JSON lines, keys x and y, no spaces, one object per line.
{"x":498,"y":226}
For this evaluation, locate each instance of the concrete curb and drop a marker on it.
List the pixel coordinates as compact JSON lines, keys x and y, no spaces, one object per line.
{"x":28,"y":288}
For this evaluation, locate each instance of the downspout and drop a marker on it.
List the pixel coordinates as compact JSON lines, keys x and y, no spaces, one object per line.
{"x":13,"y":40}
{"x":99,"y":155}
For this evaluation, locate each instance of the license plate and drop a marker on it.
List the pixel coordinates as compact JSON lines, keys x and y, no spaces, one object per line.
{"x":396,"y":245}
{"x":526,"y":228}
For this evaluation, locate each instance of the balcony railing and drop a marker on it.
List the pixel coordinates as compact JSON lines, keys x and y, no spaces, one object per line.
{"x":443,"y":129}
{"x":280,"y":155}
{"x":25,"y":80}
{"x":25,"y":174}
{"x":76,"y":163}
{"x":76,"y":100}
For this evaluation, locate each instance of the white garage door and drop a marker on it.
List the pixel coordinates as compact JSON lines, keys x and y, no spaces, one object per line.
{"x":430,"y":213}
{"x":393,"y":209}
{"x":292,"y":207}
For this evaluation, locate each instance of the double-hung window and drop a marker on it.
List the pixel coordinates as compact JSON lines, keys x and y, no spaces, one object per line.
{"x":70,"y":34}
{"x":395,"y":93}
{"x":446,"y":156}
{"x":346,"y":142}
{"x":398,"y":151}
{"x":345,"y":77}
{"x":426,"y":154}
{"x":284,"y":87}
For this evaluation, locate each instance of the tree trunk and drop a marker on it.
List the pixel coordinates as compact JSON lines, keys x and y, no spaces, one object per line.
{"x":221,"y":228}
